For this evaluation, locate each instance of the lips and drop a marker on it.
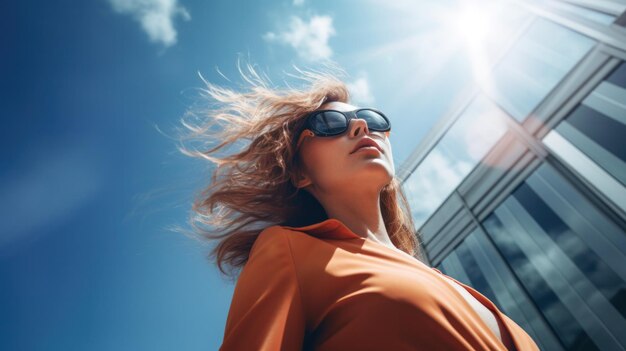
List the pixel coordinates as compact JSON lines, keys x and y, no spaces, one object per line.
{"x":366,"y":142}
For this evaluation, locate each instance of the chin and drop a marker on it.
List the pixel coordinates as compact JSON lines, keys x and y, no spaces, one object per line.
{"x":382,"y":176}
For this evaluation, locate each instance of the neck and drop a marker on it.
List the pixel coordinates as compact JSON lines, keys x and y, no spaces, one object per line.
{"x":360,"y":211}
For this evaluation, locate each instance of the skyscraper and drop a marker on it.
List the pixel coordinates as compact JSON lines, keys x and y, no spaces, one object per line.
{"x":520,"y":189}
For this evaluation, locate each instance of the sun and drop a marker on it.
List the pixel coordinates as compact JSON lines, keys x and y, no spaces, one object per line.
{"x":429,"y":36}
{"x":475,"y":25}
{"x":472,"y":24}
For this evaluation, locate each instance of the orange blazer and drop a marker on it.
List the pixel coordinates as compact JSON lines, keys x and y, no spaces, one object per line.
{"x":322,"y":287}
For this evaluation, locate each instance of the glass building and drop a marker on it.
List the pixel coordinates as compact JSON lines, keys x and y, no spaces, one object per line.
{"x":520,"y":188}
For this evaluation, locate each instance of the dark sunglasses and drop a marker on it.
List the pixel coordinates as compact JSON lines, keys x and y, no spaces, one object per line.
{"x":327,"y":123}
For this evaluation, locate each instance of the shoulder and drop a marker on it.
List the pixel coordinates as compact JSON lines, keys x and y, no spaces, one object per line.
{"x":276,"y":245}
{"x":273,"y":241}
{"x":277,"y":235}
{"x":270,"y":259}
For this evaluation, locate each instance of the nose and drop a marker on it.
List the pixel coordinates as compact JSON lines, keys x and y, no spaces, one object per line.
{"x":357,"y":127}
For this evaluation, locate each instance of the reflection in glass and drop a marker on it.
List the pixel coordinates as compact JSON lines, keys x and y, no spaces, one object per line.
{"x":598,"y":125}
{"x":591,"y":137}
{"x":472,"y":135}
{"x":535,"y":65}
{"x":477,"y":279}
{"x":514,"y":301}
{"x":563,"y":322}
{"x":576,"y":10}
{"x":475,"y":262}
{"x":569,"y":256}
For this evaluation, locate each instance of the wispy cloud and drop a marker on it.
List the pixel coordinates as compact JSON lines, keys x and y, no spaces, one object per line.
{"x":432,"y":182}
{"x":155,"y":16}
{"x":310,"y":39}
{"x":298,"y":2}
{"x":46,"y":192}
{"x":360,"y":91}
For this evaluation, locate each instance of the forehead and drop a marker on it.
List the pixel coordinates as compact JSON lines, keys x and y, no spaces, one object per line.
{"x":337,"y":105}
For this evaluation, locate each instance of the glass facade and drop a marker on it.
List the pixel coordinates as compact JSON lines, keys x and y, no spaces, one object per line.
{"x":568,"y":256}
{"x":536,"y":63}
{"x":478,"y":263}
{"x":546,"y":239}
{"x":578,"y":11}
{"x":591,"y":138}
{"x":548,"y":247}
{"x":589,"y":14}
{"x":478,"y":127}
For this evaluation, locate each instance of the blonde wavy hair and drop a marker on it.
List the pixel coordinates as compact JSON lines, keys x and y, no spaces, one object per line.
{"x":253,"y":188}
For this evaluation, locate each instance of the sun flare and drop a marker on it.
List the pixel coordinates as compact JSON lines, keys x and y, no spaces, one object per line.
{"x":474,"y":25}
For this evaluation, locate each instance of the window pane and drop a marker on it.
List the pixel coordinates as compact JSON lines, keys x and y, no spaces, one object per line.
{"x":555,"y":311}
{"x":455,"y":268}
{"x":618,"y":76}
{"x":476,"y":277}
{"x":477,"y":263}
{"x":568,"y":255}
{"x":535,"y":65}
{"x":579,"y":11}
{"x":515,"y":302}
{"x":599,"y":137}
{"x":591,"y":138}
{"x":595,"y":16}
{"x":476,"y":130}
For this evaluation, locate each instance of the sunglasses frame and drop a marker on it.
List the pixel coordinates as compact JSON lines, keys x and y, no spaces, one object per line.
{"x":349,"y":115}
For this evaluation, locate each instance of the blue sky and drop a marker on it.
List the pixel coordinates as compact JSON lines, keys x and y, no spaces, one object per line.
{"x":91,"y":182}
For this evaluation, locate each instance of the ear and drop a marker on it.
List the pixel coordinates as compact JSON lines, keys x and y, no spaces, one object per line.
{"x":303,"y":182}
{"x":300,"y":180}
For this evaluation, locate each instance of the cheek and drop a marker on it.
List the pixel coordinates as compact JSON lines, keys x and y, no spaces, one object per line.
{"x":322,"y":161}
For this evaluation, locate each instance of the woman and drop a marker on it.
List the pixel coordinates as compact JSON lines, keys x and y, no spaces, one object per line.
{"x":329,"y":257}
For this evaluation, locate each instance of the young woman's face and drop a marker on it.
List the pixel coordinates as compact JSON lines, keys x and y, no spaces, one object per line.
{"x":330,"y":164}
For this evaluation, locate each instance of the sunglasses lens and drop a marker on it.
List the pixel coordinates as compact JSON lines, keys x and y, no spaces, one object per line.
{"x":375,"y":121}
{"x":329,"y":122}
{"x":333,"y":123}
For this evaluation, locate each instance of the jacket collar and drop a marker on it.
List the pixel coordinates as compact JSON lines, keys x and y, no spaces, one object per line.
{"x":331,"y":228}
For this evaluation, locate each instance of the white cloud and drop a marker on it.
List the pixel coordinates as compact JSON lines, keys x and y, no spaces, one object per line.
{"x":360,"y":91}
{"x":298,"y":2}
{"x":310,"y":39}
{"x":432,"y":182}
{"x":156,"y":17}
